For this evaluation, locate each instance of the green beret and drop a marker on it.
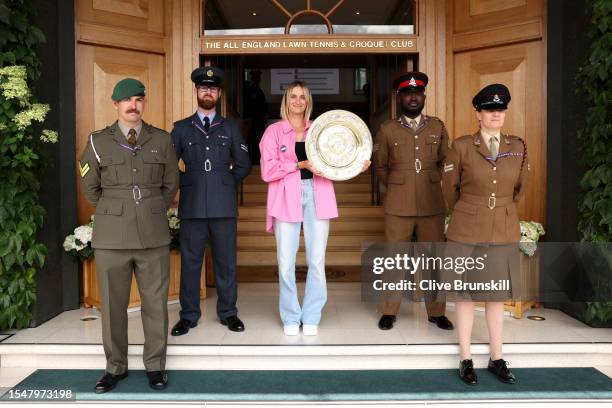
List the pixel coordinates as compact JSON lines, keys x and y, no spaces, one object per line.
{"x":126,"y":88}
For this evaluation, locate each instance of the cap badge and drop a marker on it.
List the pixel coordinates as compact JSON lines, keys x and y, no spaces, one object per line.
{"x":209,"y":73}
{"x":412,"y":82}
{"x":496,"y":99}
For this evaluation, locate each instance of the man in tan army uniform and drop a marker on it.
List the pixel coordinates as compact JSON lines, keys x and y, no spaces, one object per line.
{"x":129,"y":174}
{"x":409,"y":153}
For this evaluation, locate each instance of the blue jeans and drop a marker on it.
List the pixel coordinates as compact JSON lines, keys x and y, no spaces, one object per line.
{"x":287,"y":244}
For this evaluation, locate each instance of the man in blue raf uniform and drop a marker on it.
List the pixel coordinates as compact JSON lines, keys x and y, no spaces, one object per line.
{"x":216,"y":160}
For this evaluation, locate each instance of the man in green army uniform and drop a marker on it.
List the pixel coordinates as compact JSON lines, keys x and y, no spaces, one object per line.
{"x":129,"y":173}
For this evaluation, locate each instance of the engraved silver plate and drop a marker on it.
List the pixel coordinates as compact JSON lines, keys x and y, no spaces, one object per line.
{"x":337,"y":144}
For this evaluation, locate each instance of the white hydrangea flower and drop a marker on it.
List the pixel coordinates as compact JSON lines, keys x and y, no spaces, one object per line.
{"x":173,"y":221}
{"x":13,"y":83}
{"x":528,"y":248}
{"x":2,"y":126}
{"x":37,"y":112}
{"x":83,"y":234}
{"x":49,"y":136}
{"x":69,"y":243}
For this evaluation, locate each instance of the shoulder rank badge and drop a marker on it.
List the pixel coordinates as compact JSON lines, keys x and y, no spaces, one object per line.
{"x":84,"y":169}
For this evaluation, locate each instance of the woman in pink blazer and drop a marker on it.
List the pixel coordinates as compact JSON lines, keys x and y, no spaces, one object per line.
{"x":297,"y":195}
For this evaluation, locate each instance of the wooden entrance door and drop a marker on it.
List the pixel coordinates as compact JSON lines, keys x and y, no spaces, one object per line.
{"x":154,"y":41}
{"x":502,"y":42}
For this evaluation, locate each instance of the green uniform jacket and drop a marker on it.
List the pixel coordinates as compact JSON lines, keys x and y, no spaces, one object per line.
{"x":130,"y":189}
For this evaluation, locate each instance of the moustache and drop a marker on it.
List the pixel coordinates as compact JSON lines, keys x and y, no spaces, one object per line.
{"x":133,"y":111}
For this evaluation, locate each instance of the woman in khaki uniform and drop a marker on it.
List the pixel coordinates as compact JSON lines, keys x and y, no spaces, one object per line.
{"x":484,"y":177}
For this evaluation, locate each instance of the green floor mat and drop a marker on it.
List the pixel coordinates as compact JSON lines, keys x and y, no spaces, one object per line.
{"x":330,"y":385}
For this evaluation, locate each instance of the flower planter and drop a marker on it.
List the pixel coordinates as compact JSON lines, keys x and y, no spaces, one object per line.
{"x":530,"y":279}
{"x":91,"y":294}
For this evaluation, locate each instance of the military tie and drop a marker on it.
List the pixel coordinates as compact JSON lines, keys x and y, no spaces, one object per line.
{"x":132,"y":137}
{"x":206,"y":123}
{"x":494,"y":147}
{"x":413,"y":124}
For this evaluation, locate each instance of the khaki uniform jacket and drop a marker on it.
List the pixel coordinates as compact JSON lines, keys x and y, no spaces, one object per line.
{"x":482,"y":193}
{"x":409,"y":163}
{"x":131,"y":190}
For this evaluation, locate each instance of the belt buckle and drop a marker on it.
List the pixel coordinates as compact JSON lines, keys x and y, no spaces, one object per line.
{"x":136,"y":193}
{"x":207,"y":165}
{"x":492,"y":201}
{"x":417,"y":165}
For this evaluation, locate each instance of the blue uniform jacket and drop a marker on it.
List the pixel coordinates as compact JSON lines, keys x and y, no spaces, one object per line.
{"x":216,"y":161}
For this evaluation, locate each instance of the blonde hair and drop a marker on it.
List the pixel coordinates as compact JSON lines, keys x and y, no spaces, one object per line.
{"x":284,"y":109}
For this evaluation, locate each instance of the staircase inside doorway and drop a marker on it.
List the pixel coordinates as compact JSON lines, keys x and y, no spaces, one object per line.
{"x":359,"y":224}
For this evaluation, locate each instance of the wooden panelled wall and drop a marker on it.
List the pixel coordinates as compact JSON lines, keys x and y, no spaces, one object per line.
{"x":489,"y":41}
{"x":463,"y":45}
{"x":155,"y":41}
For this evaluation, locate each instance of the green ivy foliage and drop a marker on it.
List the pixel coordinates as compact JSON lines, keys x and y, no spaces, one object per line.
{"x":21,"y":215}
{"x":594,"y":82}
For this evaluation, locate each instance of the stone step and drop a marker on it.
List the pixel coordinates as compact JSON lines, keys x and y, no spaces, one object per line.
{"x":308,"y":357}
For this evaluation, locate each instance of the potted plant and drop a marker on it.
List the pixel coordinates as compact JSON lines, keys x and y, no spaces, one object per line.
{"x":78,"y":244}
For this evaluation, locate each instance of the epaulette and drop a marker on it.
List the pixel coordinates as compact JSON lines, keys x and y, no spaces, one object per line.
{"x":91,"y":135}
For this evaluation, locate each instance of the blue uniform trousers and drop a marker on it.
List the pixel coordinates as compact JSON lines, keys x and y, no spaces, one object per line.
{"x":194,"y":235}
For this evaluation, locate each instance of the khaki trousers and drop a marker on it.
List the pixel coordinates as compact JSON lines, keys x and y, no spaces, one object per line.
{"x":401,"y":229}
{"x":114,"y":268}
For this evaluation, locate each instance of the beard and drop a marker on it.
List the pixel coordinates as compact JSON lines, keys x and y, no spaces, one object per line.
{"x":206,"y":103}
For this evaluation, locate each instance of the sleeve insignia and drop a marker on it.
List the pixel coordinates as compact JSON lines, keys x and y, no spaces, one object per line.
{"x":449,"y":167}
{"x":84,"y":169}
{"x":243,"y":147}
